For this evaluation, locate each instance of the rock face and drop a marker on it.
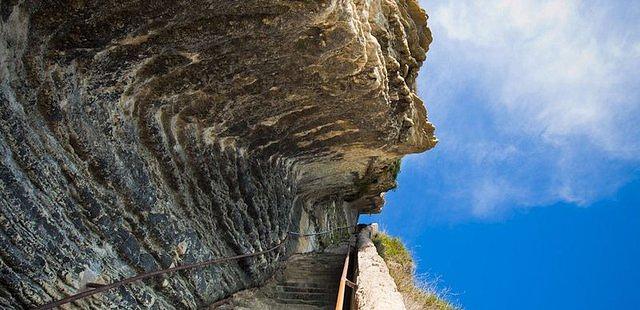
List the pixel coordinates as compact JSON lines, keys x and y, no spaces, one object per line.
{"x":135,"y":135}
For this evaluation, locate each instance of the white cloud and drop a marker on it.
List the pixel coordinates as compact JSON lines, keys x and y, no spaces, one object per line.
{"x":558,"y":85}
{"x":490,"y":194}
{"x":546,"y":63}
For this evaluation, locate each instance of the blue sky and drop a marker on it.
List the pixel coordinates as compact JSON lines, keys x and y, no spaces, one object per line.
{"x":530,"y":200}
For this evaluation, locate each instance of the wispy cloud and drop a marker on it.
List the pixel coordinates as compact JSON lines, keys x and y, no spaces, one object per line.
{"x":536,"y":102}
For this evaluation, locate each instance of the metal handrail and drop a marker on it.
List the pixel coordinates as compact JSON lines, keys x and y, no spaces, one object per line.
{"x":343,"y":282}
{"x":344,"y":278}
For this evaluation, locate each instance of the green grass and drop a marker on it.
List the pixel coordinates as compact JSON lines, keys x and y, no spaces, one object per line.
{"x":417,"y":294}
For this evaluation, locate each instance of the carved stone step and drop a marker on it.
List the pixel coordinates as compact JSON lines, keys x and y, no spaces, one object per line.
{"x":308,"y":284}
{"x":304,"y":289}
{"x":312,"y":302}
{"x":306,"y":296}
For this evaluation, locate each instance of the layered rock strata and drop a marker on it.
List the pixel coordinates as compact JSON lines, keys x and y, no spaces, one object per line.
{"x":136,"y":135}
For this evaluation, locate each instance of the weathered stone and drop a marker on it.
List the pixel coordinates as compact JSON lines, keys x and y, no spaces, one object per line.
{"x":136,"y":135}
{"x":376,"y":288}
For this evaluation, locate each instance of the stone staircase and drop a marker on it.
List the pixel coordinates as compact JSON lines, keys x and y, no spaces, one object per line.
{"x":292,"y":293}
{"x":308,"y":281}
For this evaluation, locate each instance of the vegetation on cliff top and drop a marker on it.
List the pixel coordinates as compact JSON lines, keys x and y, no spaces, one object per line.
{"x":417,"y":294}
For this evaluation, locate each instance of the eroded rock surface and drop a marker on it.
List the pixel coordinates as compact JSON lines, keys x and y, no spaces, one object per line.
{"x":139,"y":134}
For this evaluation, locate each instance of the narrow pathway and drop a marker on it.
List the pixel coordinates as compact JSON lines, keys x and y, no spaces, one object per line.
{"x":308,"y":281}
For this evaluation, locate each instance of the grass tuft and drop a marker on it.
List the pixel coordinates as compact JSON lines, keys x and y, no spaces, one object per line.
{"x":417,"y":293}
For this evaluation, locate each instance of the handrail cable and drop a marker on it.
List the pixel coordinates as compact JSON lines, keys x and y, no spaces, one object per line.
{"x":142,"y":276}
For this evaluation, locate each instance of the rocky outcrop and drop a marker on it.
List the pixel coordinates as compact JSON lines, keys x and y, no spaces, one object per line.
{"x":136,"y":135}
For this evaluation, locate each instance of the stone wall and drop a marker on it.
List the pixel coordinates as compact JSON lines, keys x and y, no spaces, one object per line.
{"x":376,"y":288}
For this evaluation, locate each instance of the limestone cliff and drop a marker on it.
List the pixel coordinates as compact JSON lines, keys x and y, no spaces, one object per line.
{"x":139,"y":134}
